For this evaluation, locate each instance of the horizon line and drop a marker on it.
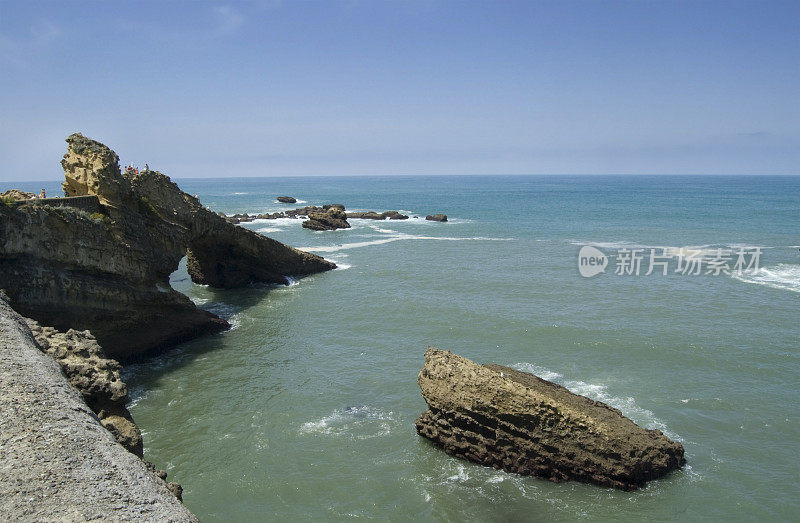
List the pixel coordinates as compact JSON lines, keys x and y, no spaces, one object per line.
{"x":431,"y":176}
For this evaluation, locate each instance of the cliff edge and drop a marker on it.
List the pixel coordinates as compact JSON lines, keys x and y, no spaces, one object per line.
{"x":58,"y":461}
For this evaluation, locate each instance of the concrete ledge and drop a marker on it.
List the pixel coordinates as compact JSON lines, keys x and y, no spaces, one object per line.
{"x":57,"y":462}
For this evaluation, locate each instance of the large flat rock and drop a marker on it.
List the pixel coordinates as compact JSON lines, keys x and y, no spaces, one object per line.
{"x":518,"y":422}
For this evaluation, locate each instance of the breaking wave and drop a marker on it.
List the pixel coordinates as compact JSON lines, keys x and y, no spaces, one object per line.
{"x":395,"y":237}
{"x":355,"y":422}
{"x":784,"y":276}
{"x":600,"y":392}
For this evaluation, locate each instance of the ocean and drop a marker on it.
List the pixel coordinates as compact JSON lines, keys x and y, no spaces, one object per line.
{"x":305,"y":408}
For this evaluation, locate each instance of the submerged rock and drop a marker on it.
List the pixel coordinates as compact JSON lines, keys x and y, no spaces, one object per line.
{"x":109,"y":271}
{"x":286,"y":199}
{"x":437,"y":217}
{"x":518,"y":422}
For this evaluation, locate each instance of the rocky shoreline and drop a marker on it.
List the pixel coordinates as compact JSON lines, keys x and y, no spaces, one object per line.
{"x":88,"y":279}
{"x":99,"y":260}
{"x":108,"y":271}
{"x":60,"y":461}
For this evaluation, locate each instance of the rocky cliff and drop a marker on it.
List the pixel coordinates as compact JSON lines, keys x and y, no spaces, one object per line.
{"x":518,"y":422}
{"x":58,"y":462}
{"x":108,"y":271}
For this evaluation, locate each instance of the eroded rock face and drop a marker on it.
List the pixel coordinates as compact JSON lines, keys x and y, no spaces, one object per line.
{"x":96,"y":377}
{"x":109,"y":271}
{"x":518,"y":422}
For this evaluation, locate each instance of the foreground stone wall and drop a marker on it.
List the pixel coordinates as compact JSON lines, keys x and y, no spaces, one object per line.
{"x":57,"y":462}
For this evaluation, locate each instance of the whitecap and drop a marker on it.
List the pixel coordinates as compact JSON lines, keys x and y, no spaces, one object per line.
{"x":784,"y":276}
{"x":684,"y":251}
{"x":396,"y":237}
{"x":240,"y":193}
{"x":355,"y":422}
{"x":600,"y":392}
{"x":460,"y":476}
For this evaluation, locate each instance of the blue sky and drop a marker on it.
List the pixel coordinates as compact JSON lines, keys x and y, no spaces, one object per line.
{"x":277,"y":88}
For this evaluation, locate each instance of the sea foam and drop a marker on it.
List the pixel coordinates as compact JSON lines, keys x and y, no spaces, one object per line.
{"x":600,"y":392}
{"x":396,"y":237}
{"x":784,"y":276}
{"x":356,"y":422}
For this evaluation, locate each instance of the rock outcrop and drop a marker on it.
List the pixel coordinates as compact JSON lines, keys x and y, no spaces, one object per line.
{"x":58,"y":461}
{"x":108,"y":271}
{"x":287,"y":199}
{"x":16,"y":195}
{"x":328,"y":219}
{"x":96,"y":377}
{"x":518,"y":422}
{"x":437,"y":217}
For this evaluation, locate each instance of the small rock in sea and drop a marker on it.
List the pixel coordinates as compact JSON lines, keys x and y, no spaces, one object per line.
{"x":437,"y":217}
{"x":286,"y":199}
{"x":329,"y":218}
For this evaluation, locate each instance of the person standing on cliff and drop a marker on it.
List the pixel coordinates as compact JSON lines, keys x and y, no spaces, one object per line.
{"x":42,"y":195}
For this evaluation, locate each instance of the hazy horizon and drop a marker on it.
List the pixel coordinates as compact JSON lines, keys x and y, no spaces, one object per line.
{"x":349,"y":88}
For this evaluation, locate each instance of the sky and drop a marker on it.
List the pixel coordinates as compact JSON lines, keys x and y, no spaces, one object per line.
{"x":284,"y":88}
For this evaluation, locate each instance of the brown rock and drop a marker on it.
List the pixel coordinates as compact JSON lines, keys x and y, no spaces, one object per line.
{"x":286,"y":199}
{"x":504,"y":418}
{"x":331,"y":217}
{"x":437,"y":217}
{"x":16,"y":194}
{"x":110,"y":274}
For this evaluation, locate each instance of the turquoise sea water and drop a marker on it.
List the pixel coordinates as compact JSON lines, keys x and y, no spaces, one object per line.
{"x":305,"y":408}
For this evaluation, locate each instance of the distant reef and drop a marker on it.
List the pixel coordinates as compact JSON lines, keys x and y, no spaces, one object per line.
{"x":101,"y":258}
{"x":515,"y":421}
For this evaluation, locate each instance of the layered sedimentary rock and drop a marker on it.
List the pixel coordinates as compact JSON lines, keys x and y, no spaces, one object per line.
{"x":58,"y":461}
{"x":108,"y":271}
{"x":518,"y":422}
